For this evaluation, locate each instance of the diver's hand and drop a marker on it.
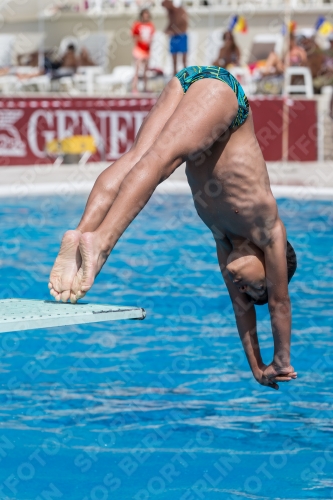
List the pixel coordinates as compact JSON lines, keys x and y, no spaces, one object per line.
{"x":271,"y":374}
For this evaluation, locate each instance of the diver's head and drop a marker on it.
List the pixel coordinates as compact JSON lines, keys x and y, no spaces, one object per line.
{"x":246,"y":266}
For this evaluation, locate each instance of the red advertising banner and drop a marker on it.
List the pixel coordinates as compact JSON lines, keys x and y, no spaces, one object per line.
{"x":28,"y":124}
{"x":302,"y":127}
{"x":303,"y":130}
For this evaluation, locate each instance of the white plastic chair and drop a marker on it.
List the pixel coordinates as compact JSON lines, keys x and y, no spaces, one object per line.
{"x":66,"y":84}
{"x":306,"y":88}
{"x":41,"y":82}
{"x":120,"y":79}
{"x":85,"y":77}
{"x":7,"y":43}
{"x":8,"y":84}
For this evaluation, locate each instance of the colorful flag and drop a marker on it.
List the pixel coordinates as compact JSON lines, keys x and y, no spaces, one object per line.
{"x":241,"y":25}
{"x":319,"y":22}
{"x":238,"y":23}
{"x":291,"y":27}
{"x":232,"y":23}
{"x":323,"y":26}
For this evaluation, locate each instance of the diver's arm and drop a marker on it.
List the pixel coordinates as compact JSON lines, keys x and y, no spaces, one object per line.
{"x":278,"y":295}
{"x":247,"y":328}
{"x":245,"y":315}
{"x":246,"y":320}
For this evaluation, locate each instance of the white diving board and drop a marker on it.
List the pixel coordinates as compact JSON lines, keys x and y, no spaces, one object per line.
{"x":22,"y":314}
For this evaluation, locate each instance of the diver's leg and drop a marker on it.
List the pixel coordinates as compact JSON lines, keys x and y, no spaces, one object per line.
{"x":106,"y":188}
{"x":107,"y":184}
{"x":203,"y":115}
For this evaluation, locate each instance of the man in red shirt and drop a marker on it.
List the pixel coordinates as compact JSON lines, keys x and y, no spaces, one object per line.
{"x":142,"y":31}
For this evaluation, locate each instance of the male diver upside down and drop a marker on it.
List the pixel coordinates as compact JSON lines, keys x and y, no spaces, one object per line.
{"x":202,"y":117}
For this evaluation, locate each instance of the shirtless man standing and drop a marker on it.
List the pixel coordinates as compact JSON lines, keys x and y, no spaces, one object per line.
{"x":202,"y":117}
{"x":177,"y":30}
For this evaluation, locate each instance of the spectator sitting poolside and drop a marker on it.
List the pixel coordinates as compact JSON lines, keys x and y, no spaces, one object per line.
{"x":325,"y":75}
{"x":229,"y":54}
{"x":68,"y":64}
{"x":296,"y":56}
{"x":315,"y":55}
{"x":70,"y":59}
{"x":271,"y":81}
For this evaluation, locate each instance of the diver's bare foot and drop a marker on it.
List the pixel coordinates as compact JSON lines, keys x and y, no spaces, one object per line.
{"x":66,"y":266}
{"x":93,"y":259}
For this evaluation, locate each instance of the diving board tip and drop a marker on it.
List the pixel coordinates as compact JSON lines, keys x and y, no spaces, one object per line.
{"x":30,"y":314}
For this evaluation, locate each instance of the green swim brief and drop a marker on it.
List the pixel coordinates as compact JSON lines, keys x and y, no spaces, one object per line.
{"x":189,"y":75}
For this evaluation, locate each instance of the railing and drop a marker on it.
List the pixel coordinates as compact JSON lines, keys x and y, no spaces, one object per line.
{"x":18,"y":10}
{"x":107,"y":7}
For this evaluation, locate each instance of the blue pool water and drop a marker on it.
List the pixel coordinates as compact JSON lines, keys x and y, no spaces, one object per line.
{"x":165,"y":408}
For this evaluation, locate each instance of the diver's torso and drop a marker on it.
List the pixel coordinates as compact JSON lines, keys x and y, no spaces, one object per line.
{"x":230,"y":186}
